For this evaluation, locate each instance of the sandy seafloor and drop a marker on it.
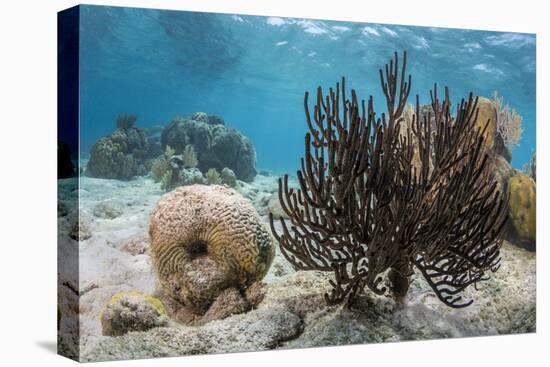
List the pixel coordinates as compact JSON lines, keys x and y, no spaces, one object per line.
{"x":115,"y":215}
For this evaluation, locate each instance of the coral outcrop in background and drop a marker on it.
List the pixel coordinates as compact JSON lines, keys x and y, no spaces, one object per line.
{"x":217,"y":146}
{"x":119,"y":155}
{"x":199,"y":147}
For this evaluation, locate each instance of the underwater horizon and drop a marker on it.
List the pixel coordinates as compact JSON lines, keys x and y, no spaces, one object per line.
{"x":253,"y":71}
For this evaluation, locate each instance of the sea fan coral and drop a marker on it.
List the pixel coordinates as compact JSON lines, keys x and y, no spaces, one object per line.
{"x":508,"y":122}
{"x":368,"y":210}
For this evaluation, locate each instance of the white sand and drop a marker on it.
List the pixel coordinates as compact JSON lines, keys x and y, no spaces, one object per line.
{"x":116,"y":213}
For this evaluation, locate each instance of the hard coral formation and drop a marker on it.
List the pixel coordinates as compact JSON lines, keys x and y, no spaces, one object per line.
{"x":502,"y":171}
{"x":486,"y":121}
{"x":200,"y":116}
{"x":216,"y":145}
{"x":190,"y":176}
{"x":205,"y":239}
{"x":119,"y":155}
{"x":153,"y":140}
{"x":132,"y":311}
{"x":366,"y":209}
{"x":215,"y":120}
{"x":522,"y":206}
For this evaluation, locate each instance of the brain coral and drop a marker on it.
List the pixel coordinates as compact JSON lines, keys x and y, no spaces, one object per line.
{"x":118,"y":155}
{"x":131,"y":311}
{"x":206,"y":239}
{"x":522,"y":206}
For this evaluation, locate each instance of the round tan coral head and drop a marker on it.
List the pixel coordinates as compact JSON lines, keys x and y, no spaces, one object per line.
{"x":206,"y":239}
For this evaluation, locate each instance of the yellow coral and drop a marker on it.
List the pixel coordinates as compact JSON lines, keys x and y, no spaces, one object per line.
{"x":213,"y":177}
{"x":487,"y":120}
{"x":157,"y":305}
{"x":522,"y":206}
{"x":166,"y":181}
{"x":120,"y":315}
{"x":189,"y":157}
{"x":169,"y":152}
{"x":159,"y":168}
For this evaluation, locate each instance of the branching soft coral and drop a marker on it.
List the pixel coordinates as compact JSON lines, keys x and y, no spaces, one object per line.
{"x":125,"y":121}
{"x":162,"y":165}
{"x":508,"y":122}
{"x":189,"y":157}
{"x":213,"y":177}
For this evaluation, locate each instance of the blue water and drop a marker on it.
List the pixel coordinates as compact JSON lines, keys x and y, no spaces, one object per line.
{"x":254,"y":71}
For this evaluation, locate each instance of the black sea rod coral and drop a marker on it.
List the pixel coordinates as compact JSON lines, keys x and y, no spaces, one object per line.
{"x":379,"y":198}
